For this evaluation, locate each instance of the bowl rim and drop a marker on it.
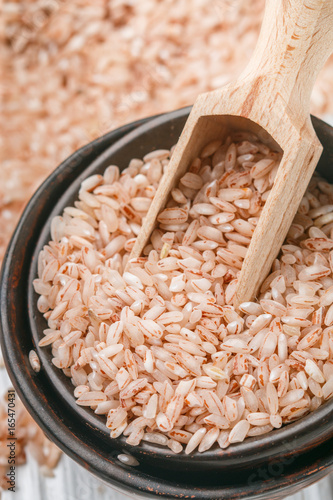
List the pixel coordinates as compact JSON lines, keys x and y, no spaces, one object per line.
{"x":238,"y":450}
{"x":283,"y":439}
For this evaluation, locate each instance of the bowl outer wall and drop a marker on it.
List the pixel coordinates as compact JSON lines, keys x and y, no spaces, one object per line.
{"x":15,"y":272}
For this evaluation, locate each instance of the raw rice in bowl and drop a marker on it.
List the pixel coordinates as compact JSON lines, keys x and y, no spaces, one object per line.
{"x":158,"y":349}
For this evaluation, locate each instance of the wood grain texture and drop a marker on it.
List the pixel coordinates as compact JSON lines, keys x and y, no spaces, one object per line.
{"x":271,"y":99}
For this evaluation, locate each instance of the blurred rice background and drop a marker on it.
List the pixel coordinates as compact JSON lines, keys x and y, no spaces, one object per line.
{"x":75,"y":70}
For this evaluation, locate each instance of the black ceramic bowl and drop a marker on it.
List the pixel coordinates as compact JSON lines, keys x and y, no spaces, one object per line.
{"x":271,"y":466}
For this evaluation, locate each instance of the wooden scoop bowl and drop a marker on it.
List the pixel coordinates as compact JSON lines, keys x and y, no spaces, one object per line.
{"x":271,"y":99}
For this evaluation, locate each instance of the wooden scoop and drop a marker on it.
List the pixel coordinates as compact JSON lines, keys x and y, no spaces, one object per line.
{"x":271,"y":99}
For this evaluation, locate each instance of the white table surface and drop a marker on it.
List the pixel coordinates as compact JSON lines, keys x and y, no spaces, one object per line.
{"x":73,"y":482}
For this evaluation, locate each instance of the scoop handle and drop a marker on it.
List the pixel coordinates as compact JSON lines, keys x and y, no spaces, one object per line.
{"x":295,"y":40}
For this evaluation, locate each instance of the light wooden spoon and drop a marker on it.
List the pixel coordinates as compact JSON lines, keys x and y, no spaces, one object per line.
{"x":271,"y":99}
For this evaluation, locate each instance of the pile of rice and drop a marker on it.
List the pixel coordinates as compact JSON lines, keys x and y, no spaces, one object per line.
{"x":74,"y":70}
{"x":154,"y":343}
{"x":28,"y":437}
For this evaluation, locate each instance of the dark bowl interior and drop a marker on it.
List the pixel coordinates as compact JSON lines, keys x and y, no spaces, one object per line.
{"x":82,"y":434}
